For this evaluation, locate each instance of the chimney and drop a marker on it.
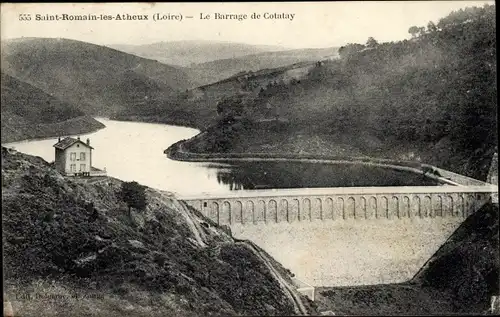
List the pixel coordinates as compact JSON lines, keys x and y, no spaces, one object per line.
{"x":78,"y":138}
{"x":59,"y":139}
{"x":88,"y":142}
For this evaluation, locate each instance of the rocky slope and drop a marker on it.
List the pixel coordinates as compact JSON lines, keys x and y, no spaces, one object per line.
{"x":71,"y":249}
{"x":207,"y":62}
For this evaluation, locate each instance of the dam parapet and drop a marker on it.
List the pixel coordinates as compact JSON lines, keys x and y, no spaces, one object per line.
{"x":309,"y":204}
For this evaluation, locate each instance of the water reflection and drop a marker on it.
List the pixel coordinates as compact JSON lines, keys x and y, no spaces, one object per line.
{"x":255,"y":175}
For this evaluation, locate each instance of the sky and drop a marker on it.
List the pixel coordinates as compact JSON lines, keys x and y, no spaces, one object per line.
{"x":314,"y":24}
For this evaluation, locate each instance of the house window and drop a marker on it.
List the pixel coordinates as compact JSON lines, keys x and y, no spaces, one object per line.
{"x":72,"y":167}
{"x":82,"y":156}
{"x":82,"y":167}
{"x":72,"y":156}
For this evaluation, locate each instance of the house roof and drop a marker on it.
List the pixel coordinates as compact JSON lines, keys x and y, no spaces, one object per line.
{"x":67,"y":142}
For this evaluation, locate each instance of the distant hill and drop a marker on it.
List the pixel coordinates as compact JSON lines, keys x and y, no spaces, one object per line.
{"x":198,"y":107}
{"x":214,"y":71}
{"x":185,"y":53}
{"x":207,"y":62}
{"x":97,"y":79}
{"x":28,"y":112}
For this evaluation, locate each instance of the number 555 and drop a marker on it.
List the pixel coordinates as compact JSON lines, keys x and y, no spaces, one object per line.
{"x":24,"y":17}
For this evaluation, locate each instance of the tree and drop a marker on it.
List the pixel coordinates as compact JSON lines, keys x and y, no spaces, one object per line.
{"x":133,"y":194}
{"x":421,"y":31}
{"x":371,"y":42}
{"x":413,"y":31}
{"x":342,"y":51}
{"x":431,"y":27}
{"x":349,"y":49}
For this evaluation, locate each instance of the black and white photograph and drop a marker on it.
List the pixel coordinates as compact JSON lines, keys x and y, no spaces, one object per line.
{"x":334,"y":158}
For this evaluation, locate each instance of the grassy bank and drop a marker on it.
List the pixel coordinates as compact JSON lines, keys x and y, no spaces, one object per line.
{"x":71,"y":249}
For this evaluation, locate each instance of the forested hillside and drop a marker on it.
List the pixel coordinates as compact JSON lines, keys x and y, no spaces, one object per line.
{"x":214,"y":71}
{"x":431,"y":98}
{"x":199,"y":107}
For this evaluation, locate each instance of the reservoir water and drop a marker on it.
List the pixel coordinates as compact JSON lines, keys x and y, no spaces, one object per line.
{"x":134,"y":151}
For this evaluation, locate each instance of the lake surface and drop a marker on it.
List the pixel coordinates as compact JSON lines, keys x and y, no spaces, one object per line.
{"x":134,"y":151}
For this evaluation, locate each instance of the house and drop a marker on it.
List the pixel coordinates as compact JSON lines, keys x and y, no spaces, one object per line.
{"x":73,"y":157}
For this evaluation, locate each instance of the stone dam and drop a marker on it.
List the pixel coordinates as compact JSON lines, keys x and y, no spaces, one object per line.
{"x":349,"y":235}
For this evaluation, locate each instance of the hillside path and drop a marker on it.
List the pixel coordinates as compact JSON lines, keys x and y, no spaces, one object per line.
{"x":287,"y":288}
{"x":196,"y":230}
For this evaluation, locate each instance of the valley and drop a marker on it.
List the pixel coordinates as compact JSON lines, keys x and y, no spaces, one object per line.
{"x":239,"y":127}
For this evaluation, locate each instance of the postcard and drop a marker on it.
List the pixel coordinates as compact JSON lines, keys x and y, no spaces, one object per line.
{"x":255,"y":159}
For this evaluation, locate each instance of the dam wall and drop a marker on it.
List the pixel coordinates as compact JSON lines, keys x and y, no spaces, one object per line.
{"x":347,"y":236}
{"x":313,"y":204}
